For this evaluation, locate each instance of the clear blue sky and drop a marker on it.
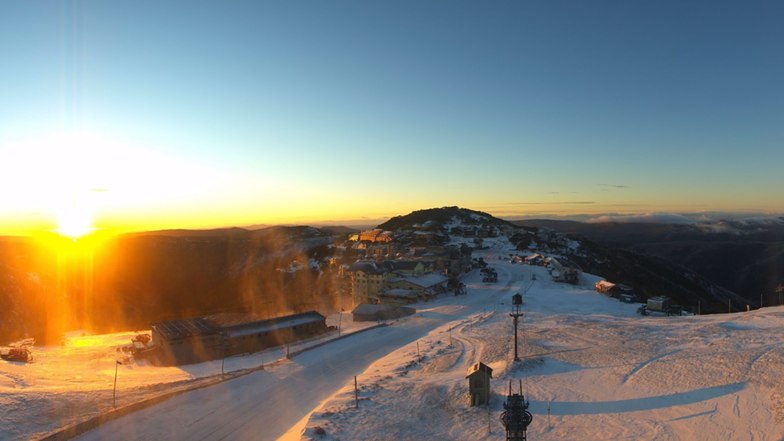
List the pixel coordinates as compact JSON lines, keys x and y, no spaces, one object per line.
{"x":263,"y":112}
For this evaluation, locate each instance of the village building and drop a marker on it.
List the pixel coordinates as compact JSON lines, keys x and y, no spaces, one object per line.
{"x":606,"y":287}
{"x":367,"y":281}
{"x":414,"y":268}
{"x":563,"y":271}
{"x":398,"y":296}
{"x":375,"y":235}
{"x":374,"y":313}
{"x":194,"y":340}
{"x":424,"y":287}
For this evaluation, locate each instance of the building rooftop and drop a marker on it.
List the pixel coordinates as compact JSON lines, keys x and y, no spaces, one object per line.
{"x":231,"y":324}
{"x":402,"y":293}
{"x":426,"y":281}
{"x":177,"y":329}
{"x":273,"y":324}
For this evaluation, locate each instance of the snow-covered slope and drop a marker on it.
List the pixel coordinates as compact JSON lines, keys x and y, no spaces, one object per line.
{"x":603,"y":371}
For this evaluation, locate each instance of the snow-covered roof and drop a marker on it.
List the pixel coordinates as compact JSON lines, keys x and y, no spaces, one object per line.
{"x":604,"y":283}
{"x":405,"y":293}
{"x":177,"y":329}
{"x":232,"y":326}
{"x":426,"y":281}
{"x":273,"y":324}
{"x":364,"y":266}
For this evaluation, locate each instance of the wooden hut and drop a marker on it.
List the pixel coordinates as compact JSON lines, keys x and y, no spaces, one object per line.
{"x":479,"y":375}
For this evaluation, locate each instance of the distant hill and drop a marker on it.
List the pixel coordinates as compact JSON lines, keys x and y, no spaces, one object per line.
{"x":743,"y":256}
{"x":442,"y":217}
{"x":649,"y":275}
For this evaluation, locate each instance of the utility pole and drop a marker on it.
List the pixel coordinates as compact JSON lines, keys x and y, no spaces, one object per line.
{"x":224,"y":339}
{"x":114,"y":388}
{"x":356,"y":393}
{"x":517,"y":300}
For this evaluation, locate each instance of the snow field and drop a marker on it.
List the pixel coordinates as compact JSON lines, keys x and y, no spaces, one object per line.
{"x":603,"y":372}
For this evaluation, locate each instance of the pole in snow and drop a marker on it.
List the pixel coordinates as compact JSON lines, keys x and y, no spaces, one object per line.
{"x":114,"y":388}
{"x":517,"y":300}
{"x":340,"y":320}
{"x":356,"y":394}
{"x":548,"y":415}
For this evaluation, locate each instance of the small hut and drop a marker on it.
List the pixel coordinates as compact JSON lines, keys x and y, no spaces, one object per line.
{"x":479,"y":375}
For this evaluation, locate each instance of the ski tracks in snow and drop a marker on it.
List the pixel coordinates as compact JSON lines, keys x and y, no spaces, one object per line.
{"x":647,"y":363}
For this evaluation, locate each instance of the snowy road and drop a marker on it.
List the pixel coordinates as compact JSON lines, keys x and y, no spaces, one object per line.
{"x":266,"y":404}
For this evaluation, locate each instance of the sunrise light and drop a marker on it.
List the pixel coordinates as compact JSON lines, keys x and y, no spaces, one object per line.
{"x":74,"y":222}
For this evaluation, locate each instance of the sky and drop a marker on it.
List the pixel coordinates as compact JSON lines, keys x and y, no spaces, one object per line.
{"x":188,"y":114}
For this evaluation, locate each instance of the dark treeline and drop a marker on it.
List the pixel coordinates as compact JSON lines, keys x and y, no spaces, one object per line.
{"x":129,"y":281}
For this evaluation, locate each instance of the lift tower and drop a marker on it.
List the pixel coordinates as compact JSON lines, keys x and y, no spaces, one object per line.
{"x":516,"y":417}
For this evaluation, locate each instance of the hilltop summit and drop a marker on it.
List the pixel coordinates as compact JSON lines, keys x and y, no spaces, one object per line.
{"x":443,"y":217}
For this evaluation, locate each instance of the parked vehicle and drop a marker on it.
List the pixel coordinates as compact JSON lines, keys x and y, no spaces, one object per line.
{"x":659,"y":304}
{"x":17,"y":354}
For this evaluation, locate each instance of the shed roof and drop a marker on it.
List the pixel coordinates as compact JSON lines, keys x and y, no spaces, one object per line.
{"x":200,"y":326}
{"x":177,"y":329}
{"x":273,"y":324}
{"x":479,"y":367}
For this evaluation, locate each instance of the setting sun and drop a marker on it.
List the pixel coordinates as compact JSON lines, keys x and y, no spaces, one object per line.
{"x":74,"y":222}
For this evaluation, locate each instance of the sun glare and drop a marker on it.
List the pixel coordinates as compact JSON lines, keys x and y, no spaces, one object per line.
{"x":74,"y":222}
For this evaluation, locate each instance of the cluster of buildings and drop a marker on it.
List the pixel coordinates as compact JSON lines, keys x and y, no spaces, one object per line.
{"x":407,"y":279}
{"x":561,"y":269}
{"x":390,"y":272}
{"x":376,"y":235}
{"x":407,"y":267}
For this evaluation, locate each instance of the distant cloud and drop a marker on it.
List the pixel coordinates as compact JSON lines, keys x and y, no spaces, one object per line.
{"x":650,"y":218}
{"x":613,"y":186}
{"x":702,"y":219}
{"x":508,"y":204}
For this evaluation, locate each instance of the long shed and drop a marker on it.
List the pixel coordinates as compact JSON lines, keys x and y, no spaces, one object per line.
{"x":200,"y":339}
